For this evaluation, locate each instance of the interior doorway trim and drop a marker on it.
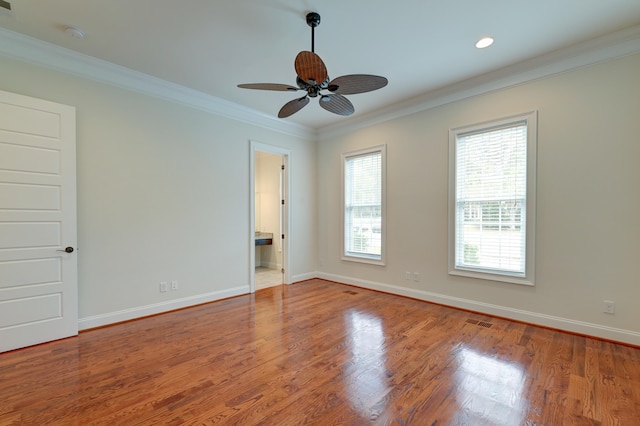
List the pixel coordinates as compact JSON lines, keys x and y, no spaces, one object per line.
{"x":286,"y":246}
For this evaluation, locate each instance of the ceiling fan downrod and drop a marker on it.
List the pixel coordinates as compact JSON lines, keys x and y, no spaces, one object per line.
{"x":313,"y":20}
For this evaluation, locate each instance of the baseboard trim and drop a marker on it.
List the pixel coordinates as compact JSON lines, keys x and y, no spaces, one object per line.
{"x":565,"y":324}
{"x":304,"y":277}
{"x":579,"y":327}
{"x":157,"y":308}
{"x":268,"y":265}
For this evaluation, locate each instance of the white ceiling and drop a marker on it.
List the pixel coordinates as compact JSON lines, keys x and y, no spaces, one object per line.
{"x":419,"y":45}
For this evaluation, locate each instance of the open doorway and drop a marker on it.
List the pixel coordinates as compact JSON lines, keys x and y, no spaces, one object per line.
{"x":269,"y":216}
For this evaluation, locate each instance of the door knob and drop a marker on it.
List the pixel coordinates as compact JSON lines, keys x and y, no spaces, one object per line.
{"x":67,"y":250}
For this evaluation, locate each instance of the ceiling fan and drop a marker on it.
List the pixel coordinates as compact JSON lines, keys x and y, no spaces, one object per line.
{"x":312,"y":77}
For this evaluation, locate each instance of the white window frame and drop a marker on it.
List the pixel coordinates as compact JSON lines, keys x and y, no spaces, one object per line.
{"x":360,"y":257}
{"x":528,"y":277}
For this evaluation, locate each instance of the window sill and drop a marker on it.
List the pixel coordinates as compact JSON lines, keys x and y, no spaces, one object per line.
{"x":493,"y":277}
{"x":363,"y":259}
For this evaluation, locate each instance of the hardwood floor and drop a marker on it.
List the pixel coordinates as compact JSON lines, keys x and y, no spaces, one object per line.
{"x":321,"y":353}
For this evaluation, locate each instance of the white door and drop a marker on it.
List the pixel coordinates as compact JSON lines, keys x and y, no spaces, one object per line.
{"x":38,"y":278}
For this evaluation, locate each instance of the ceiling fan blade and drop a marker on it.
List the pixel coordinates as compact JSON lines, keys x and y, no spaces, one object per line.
{"x":356,"y":83}
{"x":269,"y":86}
{"x":309,"y":66}
{"x":293,"y":106}
{"x":337,"y":104}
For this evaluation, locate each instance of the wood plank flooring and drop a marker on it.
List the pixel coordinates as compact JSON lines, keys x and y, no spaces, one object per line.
{"x":321,"y":353}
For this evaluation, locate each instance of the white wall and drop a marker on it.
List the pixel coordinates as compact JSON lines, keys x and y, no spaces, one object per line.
{"x":588,"y":236}
{"x":163,"y":194}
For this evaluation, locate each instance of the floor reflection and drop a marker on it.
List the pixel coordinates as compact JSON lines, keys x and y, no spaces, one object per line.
{"x":366,"y":381}
{"x":489,"y":389}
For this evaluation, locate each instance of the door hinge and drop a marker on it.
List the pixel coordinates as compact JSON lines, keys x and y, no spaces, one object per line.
{"x":282,"y":270}
{"x":282,"y":167}
{"x":283,"y":236}
{"x":283,"y":202}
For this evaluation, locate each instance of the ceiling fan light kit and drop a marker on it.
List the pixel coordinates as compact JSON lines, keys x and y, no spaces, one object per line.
{"x":312,"y":77}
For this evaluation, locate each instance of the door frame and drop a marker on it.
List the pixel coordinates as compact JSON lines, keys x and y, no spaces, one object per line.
{"x":286,"y":246}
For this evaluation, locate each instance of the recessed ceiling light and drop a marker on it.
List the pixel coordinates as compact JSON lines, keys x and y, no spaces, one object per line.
{"x":74,"y":32}
{"x":484,"y":42}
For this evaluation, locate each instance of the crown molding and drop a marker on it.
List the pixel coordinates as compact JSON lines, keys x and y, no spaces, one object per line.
{"x":27,"y":49}
{"x":605,"y":48}
{"x":37,"y":52}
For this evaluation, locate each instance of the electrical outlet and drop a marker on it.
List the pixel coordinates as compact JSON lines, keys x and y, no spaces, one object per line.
{"x":164,"y":287}
{"x":174,"y":285}
{"x":407,"y":275}
{"x":608,"y":307}
{"x":416,"y":276}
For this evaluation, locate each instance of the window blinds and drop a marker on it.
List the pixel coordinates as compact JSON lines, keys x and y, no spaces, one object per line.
{"x":490,"y":200}
{"x":363,"y":204}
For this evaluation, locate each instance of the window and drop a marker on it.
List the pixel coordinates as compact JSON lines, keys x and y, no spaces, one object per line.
{"x":492,"y":199}
{"x":363,"y":183}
